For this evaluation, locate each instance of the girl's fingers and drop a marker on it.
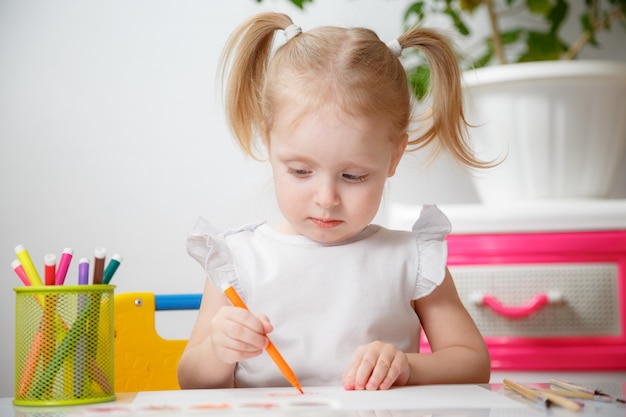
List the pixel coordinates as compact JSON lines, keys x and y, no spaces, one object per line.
{"x":360,"y":368}
{"x":238,"y":334}
{"x":398,"y":364}
{"x":265,"y":321}
{"x":349,"y":376}
{"x":376,"y":366}
{"x":366,"y":370}
{"x":379,"y":373}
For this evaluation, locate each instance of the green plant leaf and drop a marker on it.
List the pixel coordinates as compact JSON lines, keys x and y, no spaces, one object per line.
{"x":542,"y":47}
{"x":510,"y":36}
{"x":540,"y":7}
{"x":470,"y":5}
{"x":482,"y":61}
{"x":457,"y":21}
{"x":419,"y":79}
{"x":587,"y":25}
{"x":557,"y":15}
{"x":300,"y":3}
{"x":416,"y":9}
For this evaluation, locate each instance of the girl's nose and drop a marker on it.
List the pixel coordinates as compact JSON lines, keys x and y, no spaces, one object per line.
{"x":327,"y":195}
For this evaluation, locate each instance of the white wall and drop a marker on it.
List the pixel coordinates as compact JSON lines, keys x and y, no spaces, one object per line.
{"x":111,"y":134}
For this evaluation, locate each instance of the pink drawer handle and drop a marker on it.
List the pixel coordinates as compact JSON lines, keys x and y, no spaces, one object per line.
{"x":517,"y":312}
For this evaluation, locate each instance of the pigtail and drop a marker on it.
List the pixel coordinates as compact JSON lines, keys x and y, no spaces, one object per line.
{"x":245,"y":58}
{"x":448,"y":119}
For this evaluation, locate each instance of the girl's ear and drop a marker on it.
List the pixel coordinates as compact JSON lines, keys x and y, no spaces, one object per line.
{"x":397,"y":155}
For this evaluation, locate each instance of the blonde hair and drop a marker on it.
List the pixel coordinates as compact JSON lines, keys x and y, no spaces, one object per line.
{"x":348,"y":68}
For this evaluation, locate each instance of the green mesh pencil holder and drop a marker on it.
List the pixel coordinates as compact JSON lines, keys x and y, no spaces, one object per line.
{"x":64,"y":345}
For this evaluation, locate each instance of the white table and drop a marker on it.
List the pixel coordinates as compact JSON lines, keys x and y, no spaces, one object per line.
{"x":489,"y":400}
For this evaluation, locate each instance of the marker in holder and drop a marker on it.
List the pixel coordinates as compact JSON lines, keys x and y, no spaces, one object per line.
{"x":62,"y":332}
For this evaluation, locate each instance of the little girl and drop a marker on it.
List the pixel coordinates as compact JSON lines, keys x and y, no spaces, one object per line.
{"x":343,"y":300}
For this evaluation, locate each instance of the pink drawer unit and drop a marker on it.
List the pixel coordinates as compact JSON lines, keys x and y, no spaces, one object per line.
{"x":546,"y":301}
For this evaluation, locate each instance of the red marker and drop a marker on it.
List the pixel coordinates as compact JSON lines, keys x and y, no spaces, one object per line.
{"x":50,"y":265}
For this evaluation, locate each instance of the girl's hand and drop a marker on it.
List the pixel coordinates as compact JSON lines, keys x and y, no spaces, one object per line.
{"x":238,"y":334}
{"x":375,"y":366}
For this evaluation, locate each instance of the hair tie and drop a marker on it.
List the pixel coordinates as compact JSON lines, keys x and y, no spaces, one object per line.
{"x":292,"y":31}
{"x":395,"y":47}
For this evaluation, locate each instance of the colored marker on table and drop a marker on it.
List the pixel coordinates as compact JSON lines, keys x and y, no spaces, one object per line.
{"x":27,"y":264}
{"x":64,"y":264}
{"x":19,"y":270}
{"x":114,"y":263}
{"x":98,"y":266}
{"x":271,"y":349}
{"x":50,"y":264}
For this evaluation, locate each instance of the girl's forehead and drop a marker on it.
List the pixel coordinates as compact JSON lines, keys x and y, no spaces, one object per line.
{"x":307,"y":92}
{"x":293,"y":115}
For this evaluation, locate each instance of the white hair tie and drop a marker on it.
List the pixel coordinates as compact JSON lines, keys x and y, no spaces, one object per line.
{"x":395,"y":47}
{"x":292,"y":31}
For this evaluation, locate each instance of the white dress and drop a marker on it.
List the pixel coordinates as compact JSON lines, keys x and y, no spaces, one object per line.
{"x":325,"y":300}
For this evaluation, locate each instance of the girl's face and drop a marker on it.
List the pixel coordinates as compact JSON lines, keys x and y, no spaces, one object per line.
{"x":329,"y":171}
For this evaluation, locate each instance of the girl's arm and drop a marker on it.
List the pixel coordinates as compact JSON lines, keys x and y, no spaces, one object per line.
{"x":459,"y":355}
{"x":198,"y":367}
{"x":459,"y":351}
{"x":221,"y":336}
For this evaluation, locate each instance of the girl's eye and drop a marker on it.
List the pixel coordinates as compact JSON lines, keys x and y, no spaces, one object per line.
{"x":298,"y":172}
{"x":354,"y":177}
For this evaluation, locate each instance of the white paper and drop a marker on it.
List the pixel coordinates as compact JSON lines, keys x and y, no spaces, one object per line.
{"x":399,"y":398}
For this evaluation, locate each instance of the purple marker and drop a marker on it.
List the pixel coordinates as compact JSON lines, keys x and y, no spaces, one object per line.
{"x":81,"y":344}
{"x":83,"y":271}
{"x":64,"y":264}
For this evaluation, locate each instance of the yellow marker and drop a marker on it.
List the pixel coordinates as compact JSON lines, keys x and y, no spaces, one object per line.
{"x":27,"y":264}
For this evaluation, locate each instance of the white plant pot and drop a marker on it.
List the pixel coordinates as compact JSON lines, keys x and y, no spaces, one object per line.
{"x":561,"y":126}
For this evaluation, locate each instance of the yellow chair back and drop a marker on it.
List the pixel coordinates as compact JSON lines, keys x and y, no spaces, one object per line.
{"x":143,"y":360}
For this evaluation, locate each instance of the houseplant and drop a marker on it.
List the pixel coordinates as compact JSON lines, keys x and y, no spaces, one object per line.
{"x":520,"y":30}
{"x":556,"y":122}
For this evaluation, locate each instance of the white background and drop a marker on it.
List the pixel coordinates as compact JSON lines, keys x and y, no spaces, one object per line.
{"x":112,"y":134}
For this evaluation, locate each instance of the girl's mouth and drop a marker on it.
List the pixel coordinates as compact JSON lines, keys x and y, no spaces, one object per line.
{"x":326,"y":224}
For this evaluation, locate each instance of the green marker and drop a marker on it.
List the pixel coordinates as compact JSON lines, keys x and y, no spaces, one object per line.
{"x":115,"y":261}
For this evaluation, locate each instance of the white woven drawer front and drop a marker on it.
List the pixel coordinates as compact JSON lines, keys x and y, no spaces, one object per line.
{"x":590,"y":305}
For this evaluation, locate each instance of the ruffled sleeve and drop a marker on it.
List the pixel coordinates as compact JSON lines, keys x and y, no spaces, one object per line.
{"x":430,"y":231}
{"x":208,"y":246}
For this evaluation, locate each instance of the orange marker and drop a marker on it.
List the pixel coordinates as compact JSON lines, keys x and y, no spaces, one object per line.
{"x":30,"y":366}
{"x":271,"y":349}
